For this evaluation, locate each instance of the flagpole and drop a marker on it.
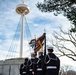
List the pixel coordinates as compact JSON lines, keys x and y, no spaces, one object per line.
{"x":35,"y":44}
{"x":45,"y":43}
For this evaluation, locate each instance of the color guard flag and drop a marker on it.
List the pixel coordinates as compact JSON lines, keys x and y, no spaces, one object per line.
{"x":39,"y":43}
{"x":32,"y":43}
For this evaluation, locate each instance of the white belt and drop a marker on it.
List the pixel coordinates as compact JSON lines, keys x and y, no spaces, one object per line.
{"x":39,"y":69}
{"x":33,"y":73}
{"x":30,"y":69}
{"x":51,"y":67}
{"x":23,"y":72}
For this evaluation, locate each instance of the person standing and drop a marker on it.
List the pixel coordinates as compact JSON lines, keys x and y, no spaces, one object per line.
{"x":24,"y":67}
{"x":52,"y":62}
{"x":32,"y":64}
{"x":39,"y":63}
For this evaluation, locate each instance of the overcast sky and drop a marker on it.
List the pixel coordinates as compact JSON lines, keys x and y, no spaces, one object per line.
{"x":37,"y":22}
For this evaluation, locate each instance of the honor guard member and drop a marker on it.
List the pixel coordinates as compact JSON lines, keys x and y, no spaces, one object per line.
{"x":31,"y":64}
{"x":52,"y":63}
{"x":24,"y":67}
{"x":40,"y":63}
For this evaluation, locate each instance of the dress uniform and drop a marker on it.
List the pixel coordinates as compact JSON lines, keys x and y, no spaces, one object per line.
{"x":24,"y":68}
{"x":52,"y":63}
{"x":40,"y":63}
{"x":32,"y":64}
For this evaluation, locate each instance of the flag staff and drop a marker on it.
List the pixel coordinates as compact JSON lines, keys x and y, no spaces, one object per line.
{"x":35,"y":44}
{"x":45,"y":43}
{"x":23,"y":10}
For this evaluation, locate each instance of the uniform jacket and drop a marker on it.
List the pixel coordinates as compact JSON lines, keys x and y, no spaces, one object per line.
{"x":24,"y":69}
{"x":52,"y":64}
{"x":39,"y":65}
{"x":32,"y":66}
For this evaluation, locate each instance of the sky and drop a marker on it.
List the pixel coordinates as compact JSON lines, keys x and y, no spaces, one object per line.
{"x":37,"y":22}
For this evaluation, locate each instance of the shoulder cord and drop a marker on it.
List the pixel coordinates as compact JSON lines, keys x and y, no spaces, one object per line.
{"x":31,"y":63}
{"x":49,"y":59}
{"x":23,"y":66}
{"x":38,"y":60}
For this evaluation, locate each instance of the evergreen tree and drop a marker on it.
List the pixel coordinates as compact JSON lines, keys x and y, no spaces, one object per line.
{"x":65,"y":7}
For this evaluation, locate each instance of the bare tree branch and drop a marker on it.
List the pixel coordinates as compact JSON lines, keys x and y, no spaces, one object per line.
{"x":56,"y":35}
{"x":63,"y":49}
{"x":71,"y":57}
{"x":72,"y":52}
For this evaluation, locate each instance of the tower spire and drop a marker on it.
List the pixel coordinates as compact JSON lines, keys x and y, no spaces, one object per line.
{"x":22,"y":1}
{"x":23,"y":10}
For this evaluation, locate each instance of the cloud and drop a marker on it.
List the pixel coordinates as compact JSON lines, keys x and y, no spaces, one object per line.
{"x":37,"y":22}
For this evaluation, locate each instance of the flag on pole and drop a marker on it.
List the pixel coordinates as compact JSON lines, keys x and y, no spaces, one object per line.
{"x":32,"y":43}
{"x":39,"y":43}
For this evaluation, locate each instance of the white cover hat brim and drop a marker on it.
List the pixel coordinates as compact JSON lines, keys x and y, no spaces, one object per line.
{"x":50,"y":47}
{"x":40,"y":51}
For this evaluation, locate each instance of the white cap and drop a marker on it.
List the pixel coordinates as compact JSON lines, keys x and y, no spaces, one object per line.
{"x":32,"y":53}
{"x":40,"y":51}
{"x":49,"y":47}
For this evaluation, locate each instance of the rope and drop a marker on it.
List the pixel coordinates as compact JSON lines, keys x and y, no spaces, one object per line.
{"x":12,"y":49}
{"x":27,"y":30}
{"x":28,"y":33}
{"x":14,"y":44}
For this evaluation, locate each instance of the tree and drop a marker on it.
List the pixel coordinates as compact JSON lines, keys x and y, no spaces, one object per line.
{"x":64,"y":69}
{"x":67,"y":70}
{"x":71,"y":72}
{"x":66,"y":7}
{"x":65,"y":42}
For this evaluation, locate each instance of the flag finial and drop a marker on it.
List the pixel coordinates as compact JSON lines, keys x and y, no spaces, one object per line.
{"x":44,"y":30}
